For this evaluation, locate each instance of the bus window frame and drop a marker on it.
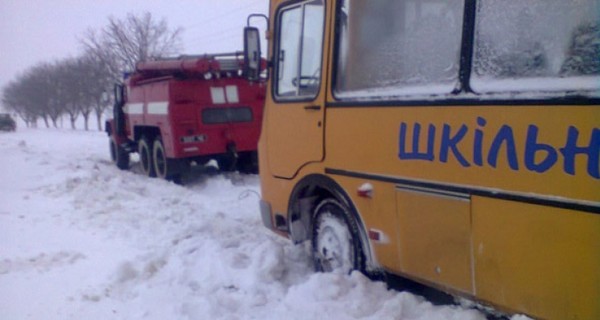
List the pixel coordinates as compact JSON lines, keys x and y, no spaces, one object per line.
{"x":465,"y":95}
{"x":276,"y":53}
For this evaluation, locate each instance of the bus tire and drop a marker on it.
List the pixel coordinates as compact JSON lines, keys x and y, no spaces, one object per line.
{"x":146,"y":158}
{"x":336,"y":246}
{"x":165,"y":168}
{"x":118,"y":154}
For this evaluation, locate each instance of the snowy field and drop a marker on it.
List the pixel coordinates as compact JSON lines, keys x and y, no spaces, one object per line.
{"x":80,"y":239}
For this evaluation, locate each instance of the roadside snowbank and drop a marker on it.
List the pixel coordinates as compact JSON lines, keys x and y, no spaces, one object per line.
{"x":80,"y":239}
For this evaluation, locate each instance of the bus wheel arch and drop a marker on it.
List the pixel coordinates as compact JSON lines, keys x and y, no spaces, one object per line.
{"x":314,"y":192}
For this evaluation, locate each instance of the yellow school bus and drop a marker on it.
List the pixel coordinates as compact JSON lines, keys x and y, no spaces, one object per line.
{"x":452,"y":142}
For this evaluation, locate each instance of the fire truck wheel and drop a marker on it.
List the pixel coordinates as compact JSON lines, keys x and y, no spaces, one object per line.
{"x":163,"y":166}
{"x":335,"y":244}
{"x":146,"y":157}
{"x":248,"y":163}
{"x":118,"y":155}
{"x":226,"y":163}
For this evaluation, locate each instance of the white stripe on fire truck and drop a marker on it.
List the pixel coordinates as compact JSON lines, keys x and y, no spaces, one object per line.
{"x":218,"y":95}
{"x":134,"y":108}
{"x":161,"y":107}
{"x":232,"y":94}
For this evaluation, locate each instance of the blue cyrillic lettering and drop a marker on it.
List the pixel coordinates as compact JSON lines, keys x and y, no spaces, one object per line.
{"x":505,"y":136}
{"x":451,"y":143}
{"x":592,"y":151}
{"x":416,"y":154}
{"x":532,"y":147}
{"x":478,"y":143}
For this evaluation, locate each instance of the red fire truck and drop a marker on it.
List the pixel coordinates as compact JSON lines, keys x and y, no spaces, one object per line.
{"x":186,"y":110}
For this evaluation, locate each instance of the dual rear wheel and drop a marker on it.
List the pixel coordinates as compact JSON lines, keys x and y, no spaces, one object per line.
{"x":153,"y":159}
{"x":146,"y":161}
{"x":154,"y":162}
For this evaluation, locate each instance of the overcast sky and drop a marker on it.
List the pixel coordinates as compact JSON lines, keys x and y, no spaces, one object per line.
{"x":34,"y":31}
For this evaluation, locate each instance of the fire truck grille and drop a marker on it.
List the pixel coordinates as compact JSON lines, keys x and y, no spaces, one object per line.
{"x":226,"y":115}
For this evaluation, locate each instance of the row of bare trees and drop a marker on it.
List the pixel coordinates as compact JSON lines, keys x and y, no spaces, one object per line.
{"x":73,"y":87}
{"x":82,"y":86}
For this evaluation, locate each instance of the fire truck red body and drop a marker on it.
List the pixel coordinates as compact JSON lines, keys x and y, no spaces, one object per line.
{"x":174,"y":112}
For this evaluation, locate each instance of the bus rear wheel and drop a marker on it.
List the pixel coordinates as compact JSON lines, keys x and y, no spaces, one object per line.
{"x":335,"y":244}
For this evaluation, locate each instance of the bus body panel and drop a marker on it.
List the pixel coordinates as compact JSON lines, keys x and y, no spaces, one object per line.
{"x":523,"y":150}
{"x":295,"y":132}
{"x":540,"y":259}
{"x":539,"y":256}
{"x":497,"y":202}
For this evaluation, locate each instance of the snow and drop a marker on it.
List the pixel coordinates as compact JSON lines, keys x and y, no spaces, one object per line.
{"x":584,"y":85}
{"x":80,"y":239}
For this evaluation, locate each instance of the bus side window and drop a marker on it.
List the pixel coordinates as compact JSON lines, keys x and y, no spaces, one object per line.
{"x":517,"y":49}
{"x":398,"y":47}
{"x":583,"y":56}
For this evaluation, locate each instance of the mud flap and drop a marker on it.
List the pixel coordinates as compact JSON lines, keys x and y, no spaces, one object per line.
{"x":300,"y":225}
{"x":231,"y":157}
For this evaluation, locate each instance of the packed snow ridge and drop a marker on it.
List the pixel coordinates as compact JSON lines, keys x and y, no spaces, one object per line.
{"x":81,"y":239}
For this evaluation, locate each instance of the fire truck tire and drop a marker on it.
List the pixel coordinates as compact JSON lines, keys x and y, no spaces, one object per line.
{"x":227,"y":163}
{"x":248,"y":163}
{"x":118,"y":155}
{"x":335,"y":243}
{"x":146,"y":158}
{"x":164,"y":167}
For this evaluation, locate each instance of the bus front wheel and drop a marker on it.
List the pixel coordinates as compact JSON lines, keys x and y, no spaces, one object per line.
{"x":335,"y":245}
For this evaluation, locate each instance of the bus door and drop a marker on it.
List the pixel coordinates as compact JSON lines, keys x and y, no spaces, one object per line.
{"x":294,"y":123}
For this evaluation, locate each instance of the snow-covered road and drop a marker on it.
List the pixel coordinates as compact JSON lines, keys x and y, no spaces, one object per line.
{"x":80,"y":239}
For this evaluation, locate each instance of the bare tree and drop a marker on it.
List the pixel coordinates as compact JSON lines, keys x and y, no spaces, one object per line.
{"x":99,"y":83}
{"x":123,"y":43}
{"x":75,"y":86}
{"x":68,"y":78}
{"x":30,"y":95}
{"x":14,"y":99}
{"x":79,"y":86}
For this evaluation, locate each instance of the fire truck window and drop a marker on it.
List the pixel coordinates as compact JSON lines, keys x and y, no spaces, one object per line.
{"x":300,"y":51}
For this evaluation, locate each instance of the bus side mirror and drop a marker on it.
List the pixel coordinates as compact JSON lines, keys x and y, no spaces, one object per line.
{"x":252,"y":61}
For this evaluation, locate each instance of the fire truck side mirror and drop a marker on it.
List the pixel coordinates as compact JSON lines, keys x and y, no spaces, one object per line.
{"x":119,"y":95}
{"x":252,"y":61}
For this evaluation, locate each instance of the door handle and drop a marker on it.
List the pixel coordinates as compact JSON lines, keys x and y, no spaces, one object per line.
{"x":312,"y":108}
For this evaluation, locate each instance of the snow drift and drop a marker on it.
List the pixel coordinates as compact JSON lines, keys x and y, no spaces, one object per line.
{"x":81,"y":239}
